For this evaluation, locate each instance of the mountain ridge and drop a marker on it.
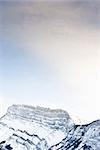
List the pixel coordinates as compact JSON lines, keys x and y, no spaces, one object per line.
{"x":36,"y":128}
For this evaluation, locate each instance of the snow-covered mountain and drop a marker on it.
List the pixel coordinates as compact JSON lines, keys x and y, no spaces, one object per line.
{"x":35,"y":128}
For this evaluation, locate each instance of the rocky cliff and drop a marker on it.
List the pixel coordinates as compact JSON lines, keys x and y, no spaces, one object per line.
{"x":36,"y":128}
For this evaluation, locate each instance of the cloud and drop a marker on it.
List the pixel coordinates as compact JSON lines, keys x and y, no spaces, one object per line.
{"x":3,"y":105}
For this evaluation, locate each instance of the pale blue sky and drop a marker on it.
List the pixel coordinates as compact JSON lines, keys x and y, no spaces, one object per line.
{"x":50,"y":55}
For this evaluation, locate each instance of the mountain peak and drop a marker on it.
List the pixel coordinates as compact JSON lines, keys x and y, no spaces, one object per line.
{"x":26,"y":128}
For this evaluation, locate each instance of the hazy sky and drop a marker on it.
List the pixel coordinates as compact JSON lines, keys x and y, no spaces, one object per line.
{"x":50,"y":55}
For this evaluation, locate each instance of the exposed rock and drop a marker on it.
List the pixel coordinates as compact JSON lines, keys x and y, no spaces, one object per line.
{"x":35,"y":128}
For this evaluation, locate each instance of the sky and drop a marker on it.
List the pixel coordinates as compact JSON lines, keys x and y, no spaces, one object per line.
{"x":50,"y":55}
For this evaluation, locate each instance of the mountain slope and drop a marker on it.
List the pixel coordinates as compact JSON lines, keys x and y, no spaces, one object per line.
{"x":36,"y":128}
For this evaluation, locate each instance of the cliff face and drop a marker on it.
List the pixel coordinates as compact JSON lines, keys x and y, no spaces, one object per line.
{"x":36,"y":128}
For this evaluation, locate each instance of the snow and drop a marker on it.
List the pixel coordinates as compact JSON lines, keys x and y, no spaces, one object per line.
{"x":35,"y":128}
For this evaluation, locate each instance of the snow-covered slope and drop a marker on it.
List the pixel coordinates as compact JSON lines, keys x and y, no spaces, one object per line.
{"x":36,"y":128}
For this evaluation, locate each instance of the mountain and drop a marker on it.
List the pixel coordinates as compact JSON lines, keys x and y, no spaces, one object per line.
{"x":36,"y":128}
